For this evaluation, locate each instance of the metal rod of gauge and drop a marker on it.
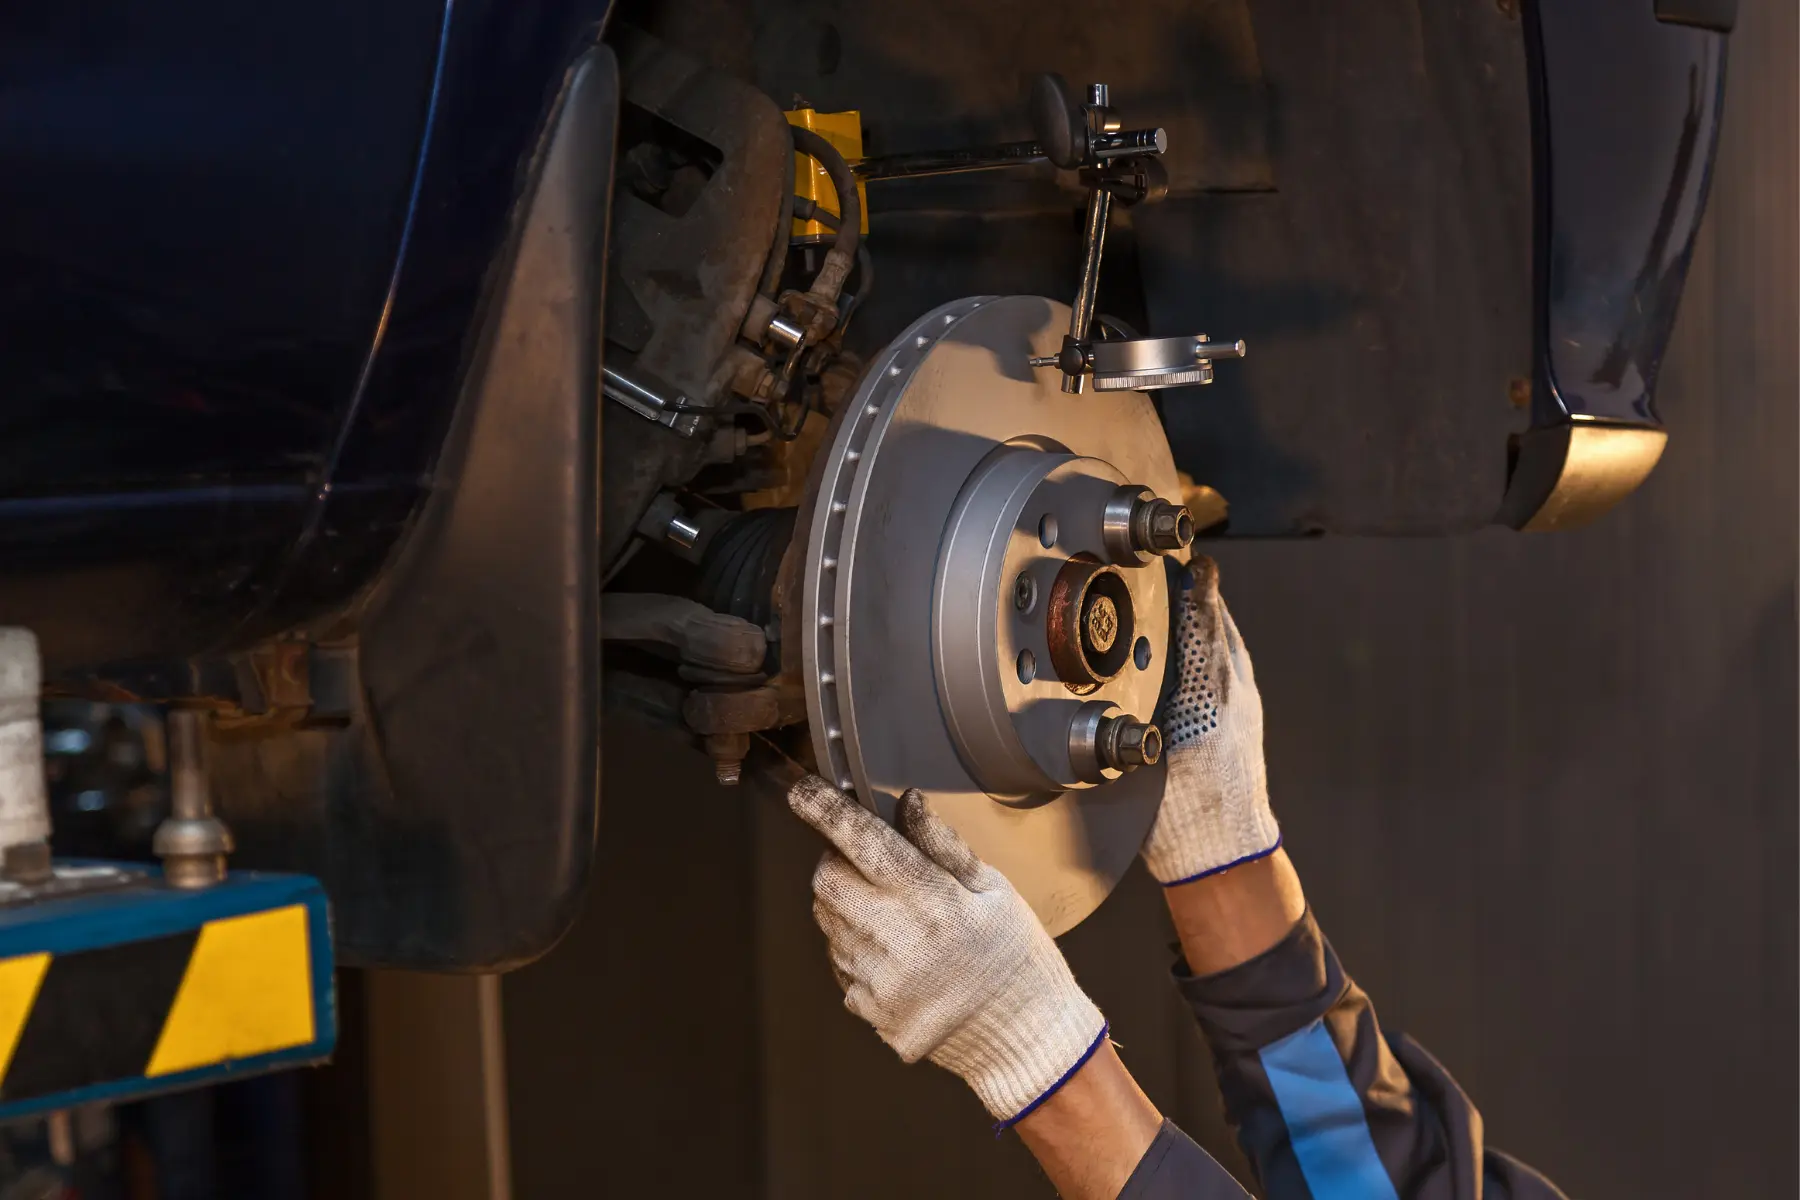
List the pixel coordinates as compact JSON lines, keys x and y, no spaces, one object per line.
{"x":1132,"y":141}
{"x":1099,"y":208}
{"x":1106,"y":145}
{"x":948,"y":162}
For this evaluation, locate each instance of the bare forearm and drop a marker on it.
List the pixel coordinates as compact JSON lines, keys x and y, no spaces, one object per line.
{"x":1091,"y":1132}
{"x":1232,"y":917}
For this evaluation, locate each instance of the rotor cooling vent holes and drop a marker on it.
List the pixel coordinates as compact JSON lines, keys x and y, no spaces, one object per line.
{"x":1193,"y":709}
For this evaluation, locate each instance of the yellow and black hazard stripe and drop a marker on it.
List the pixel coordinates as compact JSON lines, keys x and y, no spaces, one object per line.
{"x":190,"y":985}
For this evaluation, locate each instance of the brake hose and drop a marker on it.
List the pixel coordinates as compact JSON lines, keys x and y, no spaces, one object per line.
{"x":771,"y":278}
{"x":842,"y":256}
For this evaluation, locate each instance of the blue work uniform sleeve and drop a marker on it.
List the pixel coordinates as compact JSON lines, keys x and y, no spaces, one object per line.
{"x":1174,"y":1168}
{"x":1327,"y":1105}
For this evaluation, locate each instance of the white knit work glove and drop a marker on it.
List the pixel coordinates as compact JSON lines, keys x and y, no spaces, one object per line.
{"x":1215,"y":810}
{"x":935,"y":949}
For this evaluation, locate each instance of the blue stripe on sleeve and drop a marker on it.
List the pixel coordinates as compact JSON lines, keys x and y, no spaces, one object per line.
{"x":1324,"y":1117}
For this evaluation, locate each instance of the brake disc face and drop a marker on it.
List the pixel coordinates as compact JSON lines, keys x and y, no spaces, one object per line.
{"x":974,"y":616}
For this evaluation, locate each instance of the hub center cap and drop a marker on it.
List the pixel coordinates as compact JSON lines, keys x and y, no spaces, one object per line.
{"x":1102,"y":623}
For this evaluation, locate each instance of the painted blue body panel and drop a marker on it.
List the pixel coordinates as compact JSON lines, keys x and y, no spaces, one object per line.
{"x":1626,"y":125}
{"x":241,"y":250}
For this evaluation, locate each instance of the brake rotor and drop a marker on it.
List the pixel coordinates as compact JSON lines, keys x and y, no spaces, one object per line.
{"x":972,"y":618}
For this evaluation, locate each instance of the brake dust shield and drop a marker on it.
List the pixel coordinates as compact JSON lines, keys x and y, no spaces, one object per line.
{"x":969,"y":614}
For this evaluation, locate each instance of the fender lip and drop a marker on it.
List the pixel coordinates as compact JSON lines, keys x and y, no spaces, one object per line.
{"x":1566,"y":476}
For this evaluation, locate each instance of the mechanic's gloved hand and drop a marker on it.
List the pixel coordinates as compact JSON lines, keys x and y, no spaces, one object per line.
{"x":1215,"y":810}
{"x":935,"y":949}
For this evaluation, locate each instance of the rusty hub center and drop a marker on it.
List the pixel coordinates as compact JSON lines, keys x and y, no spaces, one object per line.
{"x":1101,"y":624}
{"x":1089,"y":624}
